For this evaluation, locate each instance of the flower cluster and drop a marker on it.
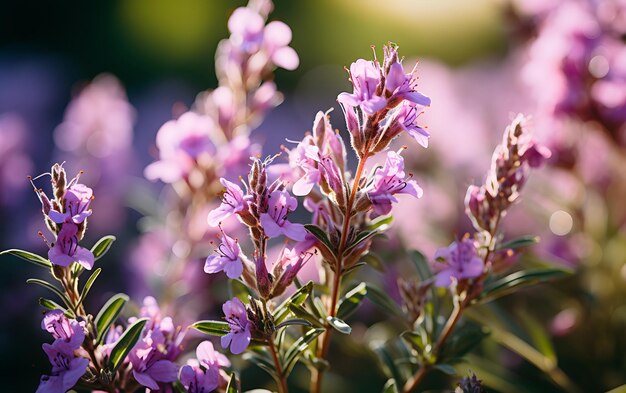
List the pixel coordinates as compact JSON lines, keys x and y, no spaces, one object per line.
{"x":67,"y":364}
{"x":66,"y":217}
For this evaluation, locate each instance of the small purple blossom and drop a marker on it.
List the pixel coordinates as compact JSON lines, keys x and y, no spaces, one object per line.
{"x":462,"y":262}
{"x":233,"y":201}
{"x":149,"y":363}
{"x":239,"y":336}
{"x":365,"y":76}
{"x":275,"y":223}
{"x":197,"y":380}
{"x":388,"y":181}
{"x":66,"y":249}
{"x":405,"y":119}
{"x":398,"y":85}
{"x":76,"y":205}
{"x":66,"y":368}
{"x":68,"y":332}
{"x":227,"y":260}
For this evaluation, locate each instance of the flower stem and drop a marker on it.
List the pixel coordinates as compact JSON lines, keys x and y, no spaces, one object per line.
{"x":281,"y":379}
{"x":316,"y":374}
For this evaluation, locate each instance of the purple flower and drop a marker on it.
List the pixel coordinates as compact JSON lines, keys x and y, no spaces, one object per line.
{"x":276,"y":41}
{"x":66,"y":249}
{"x":69,"y":333}
{"x":149,"y":362}
{"x":239,"y":336}
{"x":194,"y":379}
{"x":275,"y":223}
{"x":66,"y":368}
{"x":76,"y":203}
{"x":288,"y":266}
{"x":390,"y":180}
{"x":398,"y":85}
{"x":405,"y":119}
{"x":181,"y":142}
{"x":365,"y":76}
{"x":227,"y":260}
{"x":246,"y":29}
{"x":462,"y":262}
{"x":305,"y":156}
{"x":233,"y":201}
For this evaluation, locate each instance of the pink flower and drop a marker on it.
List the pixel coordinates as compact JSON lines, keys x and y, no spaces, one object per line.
{"x":70,"y":333}
{"x":76,"y":205}
{"x":365,"y":76}
{"x":462,"y":262}
{"x":194,"y":378}
{"x":227,"y":260}
{"x":233,"y":201}
{"x":239,"y":336}
{"x":388,"y":181}
{"x":181,"y":142}
{"x":275,"y":223}
{"x":66,"y":249}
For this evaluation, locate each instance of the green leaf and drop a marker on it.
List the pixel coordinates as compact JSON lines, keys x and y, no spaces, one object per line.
{"x":353,"y":267}
{"x":339,"y":325}
{"x":125,"y":343}
{"x":298,"y":347}
{"x":88,"y":284}
{"x":213,"y":328}
{"x":390,"y":386}
{"x":349,"y":303}
{"x":239,"y":290}
{"x":303,"y":313}
{"x":30,"y":257}
{"x":445,"y":368}
{"x":539,"y":336}
{"x":108,"y":313}
{"x":380,"y":223}
{"x":421,"y":265}
{"x":295,"y":321}
{"x":382,"y":300}
{"x":261,"y":359}
{"x":374,"y":261}
{"x":52,"y":288}
{"x":52,"y":305}
{"x":505,"y":285}
{"x":523,"y":241}
{"x":360,"y":238}
{"x":298,"y":298}
{"x":464,"y":339}
{"x":102,"y":246}
{"x":232,"y":384}
{"x":321,"y":236}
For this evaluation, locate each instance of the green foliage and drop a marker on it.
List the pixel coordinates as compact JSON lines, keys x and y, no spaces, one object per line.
{"x":125,"y":343}
{"x":29,"y":257}
{"x":213,"y":328}
{"x":102,"y":246}
{"x":108,"y":314}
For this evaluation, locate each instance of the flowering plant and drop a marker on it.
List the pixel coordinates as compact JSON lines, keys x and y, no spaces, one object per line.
{"x":295,"y":279}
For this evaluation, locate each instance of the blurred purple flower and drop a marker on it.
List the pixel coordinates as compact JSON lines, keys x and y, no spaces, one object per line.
{"x":239,"y":336}
{"x":462,"y":262}
{"x":181,"y":142}
{"x":15,"y":163}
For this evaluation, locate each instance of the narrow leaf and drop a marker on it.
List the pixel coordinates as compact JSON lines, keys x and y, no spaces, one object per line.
{"x":298,"y":347}
{"x":520,"y":279}
{"x":213,"y":328}
{"x":232,"y":384}
{"x":390,"y":386}
{"x":30,"y":257}
{"x":52,"y":305}
{"x":421,"y":265}
{"x":445,"y":368}
{"x":382,"y":300}
{"x":380,"y":223}
{"x":321,"y":236}
{"x":298,"y":298}
{"x":108,"y":313}
{"x":523,"y":241}
{"x":349,"y":303}
{"x":360,"y":238}
{"x":125,"y":343}
{"x":339,"y":325}
{"x":88,"y":284}
{"x":303,"y":313}
{"x":52,"y":288}
{"x":102,"y":246}
{"x":295,"y":321}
